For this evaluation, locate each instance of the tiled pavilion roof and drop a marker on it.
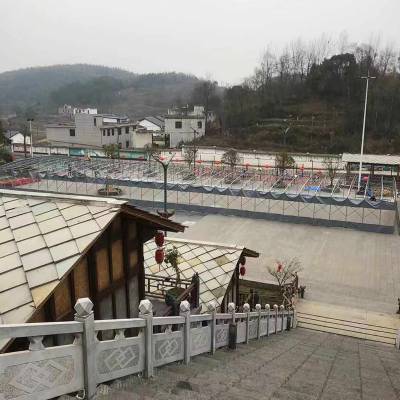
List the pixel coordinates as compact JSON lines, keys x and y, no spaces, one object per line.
{"x":42,"y":237}
{"x":215,"y":263}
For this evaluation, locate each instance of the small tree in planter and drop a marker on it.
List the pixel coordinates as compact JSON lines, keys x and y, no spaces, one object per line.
{"x":171,"y":258}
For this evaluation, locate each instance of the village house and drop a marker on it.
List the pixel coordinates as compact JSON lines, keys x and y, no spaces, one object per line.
{"x":98,"y":130}
{"x":185,"y":125}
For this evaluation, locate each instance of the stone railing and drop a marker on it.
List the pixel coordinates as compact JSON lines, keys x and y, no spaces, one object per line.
{"x":138,"y":346}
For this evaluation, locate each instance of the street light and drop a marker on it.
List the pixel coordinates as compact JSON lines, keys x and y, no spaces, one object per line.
{"x":30,"y":120}
{"x":165,"y":164}
{"x":367,"y":78}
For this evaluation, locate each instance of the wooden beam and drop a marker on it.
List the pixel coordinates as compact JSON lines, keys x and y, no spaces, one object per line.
{"x":111,"y":269}
{"x":141,"y":280}
{"x":150,"y":219}
{"x":125,"y":258}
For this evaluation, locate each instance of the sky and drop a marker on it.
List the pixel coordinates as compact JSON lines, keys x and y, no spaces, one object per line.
{"x":219,"y":39}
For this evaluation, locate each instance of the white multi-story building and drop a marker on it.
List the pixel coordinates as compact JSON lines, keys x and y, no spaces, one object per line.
{"x":184,"y":125}
{"x":98,"y":130}
{"x":68,"y":110}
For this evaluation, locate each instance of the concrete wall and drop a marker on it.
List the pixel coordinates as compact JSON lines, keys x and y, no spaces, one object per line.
{"x":56,"y":134}
{"x":86,"y":130}
{"x":140,"y":139}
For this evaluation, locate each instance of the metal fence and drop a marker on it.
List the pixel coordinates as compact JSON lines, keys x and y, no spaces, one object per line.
{"x":138,"y":346}
{"x":292,"y":197}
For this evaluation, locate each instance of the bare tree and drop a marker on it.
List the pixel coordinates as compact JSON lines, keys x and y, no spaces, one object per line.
{"x":284,"y":161}
{"x":231,"y":157}
{"x":332,"y":166}
{"x":150,"y":152}
{"x":205,"y":92}
{"x":190,"y":156}
{"x":111,"y":150}
{"x":386,"y":59}
{"x":285,"y":270}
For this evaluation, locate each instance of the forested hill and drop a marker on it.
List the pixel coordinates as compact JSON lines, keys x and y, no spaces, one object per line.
{"x":42,"y":89}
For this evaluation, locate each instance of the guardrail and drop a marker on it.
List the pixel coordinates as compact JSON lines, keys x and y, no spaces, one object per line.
{"x":138,"y":346}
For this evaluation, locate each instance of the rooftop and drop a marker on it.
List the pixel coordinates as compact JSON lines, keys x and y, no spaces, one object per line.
{"x":43,"y":235}
{"x":379,"y":159}
{"x":214,"y":262}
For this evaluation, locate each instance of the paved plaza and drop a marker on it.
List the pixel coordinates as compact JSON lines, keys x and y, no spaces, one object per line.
{"x":341,"y":267}
{"x":301,"y":364}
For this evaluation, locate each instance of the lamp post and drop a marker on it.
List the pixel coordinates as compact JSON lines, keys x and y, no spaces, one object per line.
{"x":165,"y":164}
{"x":30,"y":120}
{"x":367,"y":78}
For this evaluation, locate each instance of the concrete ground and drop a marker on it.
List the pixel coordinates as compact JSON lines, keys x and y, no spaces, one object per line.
{"x":341,"y":267}
{"x":301,"y":364}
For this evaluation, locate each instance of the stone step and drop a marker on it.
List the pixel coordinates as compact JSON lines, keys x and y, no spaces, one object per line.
{"x":354,"y":329}
{"x":347,"y":322}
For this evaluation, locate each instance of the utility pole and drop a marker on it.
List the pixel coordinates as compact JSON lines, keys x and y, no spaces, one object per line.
{"x":367,"y":78}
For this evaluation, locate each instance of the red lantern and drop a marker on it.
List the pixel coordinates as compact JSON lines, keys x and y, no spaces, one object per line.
{"x":279,"y":267}
{"x":159,"y":238}
{"x":159,"y":256}
{"x":242,"y":260}
{"x":242,"y":270}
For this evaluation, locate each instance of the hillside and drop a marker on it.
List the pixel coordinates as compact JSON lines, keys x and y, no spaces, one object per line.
{"x":43,"y":89}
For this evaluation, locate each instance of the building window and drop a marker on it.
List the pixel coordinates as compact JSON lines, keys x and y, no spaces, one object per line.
{"x":199,"y":124}
{"x":127,"y":144}
{"x":127,"y":129}
{"x":72,"y":132}
{"x":119,"y":131}
{"x":112,"y":131}
{"x":104,"y":132}
{"x":120,"y":145}
{"x":108,"y":132}
{"x":94,"y":121}
{"x":178,"y":124}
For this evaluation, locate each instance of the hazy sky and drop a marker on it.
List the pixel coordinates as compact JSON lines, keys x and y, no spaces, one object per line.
{"x":221,"y":38}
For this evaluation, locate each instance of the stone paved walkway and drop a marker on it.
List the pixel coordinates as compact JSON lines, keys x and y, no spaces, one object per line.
{"x":300,"y":364}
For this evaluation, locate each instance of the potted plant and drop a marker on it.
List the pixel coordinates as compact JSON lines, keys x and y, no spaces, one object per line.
{"x":171,"y":258}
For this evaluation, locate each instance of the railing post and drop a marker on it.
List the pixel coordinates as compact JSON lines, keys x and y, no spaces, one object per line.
{"x":276,"y":318}
{"x":232,"y":327}
{"x":212,"y":308}
{"x":282,"y":309}
{"x":146,"y":312}
{"x":268,"y":308}
{"x":258,"y":309}
{"x":397,"y":342}
{"x":84,"y":314}
{"x":185,"y":312}
{"x":232,"y":310}
{"x":246,"y":309}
